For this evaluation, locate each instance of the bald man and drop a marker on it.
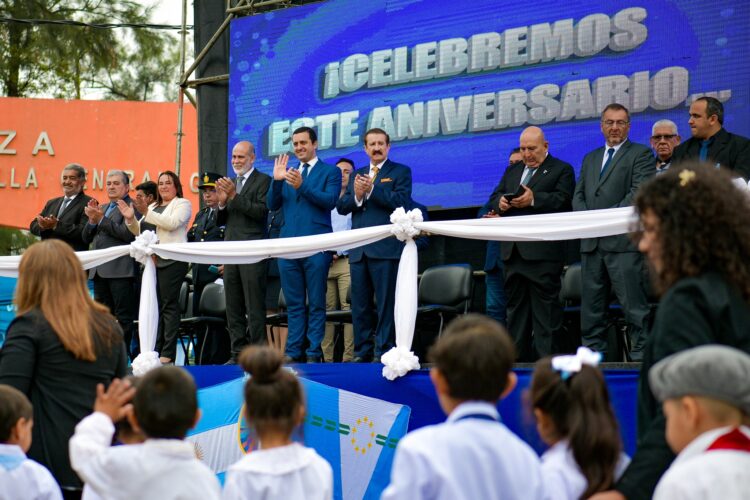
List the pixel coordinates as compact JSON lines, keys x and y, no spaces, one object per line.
{"x":242,"y":210}
{"x":538,"y":184}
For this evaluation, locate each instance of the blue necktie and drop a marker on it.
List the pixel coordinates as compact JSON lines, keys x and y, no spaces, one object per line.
{"x":610,"y":154}
{"x":704,"y":149}
{"x":528,"y":176}
{"x":111,"y":207}
{"x":304,"y":171}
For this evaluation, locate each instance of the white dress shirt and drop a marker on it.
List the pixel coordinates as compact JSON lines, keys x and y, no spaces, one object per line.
{"x":286,"y":472}
{"x":159,"y":469}
{"x":562,"y":476}
{"x":700,"y":474}
{"x":465,"y":458}
{"x":24,"y":479}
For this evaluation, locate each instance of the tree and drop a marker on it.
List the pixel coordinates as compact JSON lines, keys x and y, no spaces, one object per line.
{"x":63,"y":60}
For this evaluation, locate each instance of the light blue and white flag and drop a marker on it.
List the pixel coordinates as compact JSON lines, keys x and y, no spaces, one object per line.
{"x":355,"y":433}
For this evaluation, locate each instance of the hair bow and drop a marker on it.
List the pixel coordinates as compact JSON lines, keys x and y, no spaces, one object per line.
{"x":570,"y":364}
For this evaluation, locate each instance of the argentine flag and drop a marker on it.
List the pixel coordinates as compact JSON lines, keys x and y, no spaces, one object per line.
{"x":355,"y":433}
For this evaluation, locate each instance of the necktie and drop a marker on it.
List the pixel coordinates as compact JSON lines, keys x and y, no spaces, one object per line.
{"x":610,"y":154}
{"x":305,"y":166}
{"x":111,"y":207}
{"x":63,"y":206}
{"x":240,"y":182}
{"x":374,"y":171}
{"x":210,"y":214}
{"x":704,"y":149}
{"x":528,"y":176}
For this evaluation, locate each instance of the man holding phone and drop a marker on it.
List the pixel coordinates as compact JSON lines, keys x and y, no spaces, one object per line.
{"x":539,"y":184}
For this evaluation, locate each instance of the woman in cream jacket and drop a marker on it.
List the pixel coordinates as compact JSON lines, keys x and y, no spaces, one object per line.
{"x":171,"y":216}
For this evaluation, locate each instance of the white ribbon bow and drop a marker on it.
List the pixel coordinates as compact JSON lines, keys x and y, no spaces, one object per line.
{"x":141,"y":248}
{"x":403,"y":222}
{"x":570,"y":364}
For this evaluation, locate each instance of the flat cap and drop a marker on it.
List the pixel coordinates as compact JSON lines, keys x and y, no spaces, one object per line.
{"x":713,"y":371}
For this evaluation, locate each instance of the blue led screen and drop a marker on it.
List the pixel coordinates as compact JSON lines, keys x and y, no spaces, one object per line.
{"x":454,"y":83}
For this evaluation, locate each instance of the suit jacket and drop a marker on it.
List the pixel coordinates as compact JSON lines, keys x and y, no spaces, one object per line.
{"x":552,"y":185}
{"x":245,"y":215}
{"x":729,"y":150}
{"x":307,"y":210}
{"x":392,"y":189}
{"x":171,"y":224}
{"x":71,"y":222}
{"x":205,"y":228}
{"x":699,"y":310}
{"x":111,"y":232}
{"x":632,"y":164}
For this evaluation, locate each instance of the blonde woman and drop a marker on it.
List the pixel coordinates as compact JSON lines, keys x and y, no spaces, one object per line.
{"x":59,"y":347}
{"x":171,"y":216}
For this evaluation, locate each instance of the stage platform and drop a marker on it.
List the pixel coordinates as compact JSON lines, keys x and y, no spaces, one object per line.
{"x":415,"y":390}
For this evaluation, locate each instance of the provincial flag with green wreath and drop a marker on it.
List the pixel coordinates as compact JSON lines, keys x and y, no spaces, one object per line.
{"x":355,"y":433}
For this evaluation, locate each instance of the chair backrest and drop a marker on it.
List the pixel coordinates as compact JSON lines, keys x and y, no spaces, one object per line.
{"x":282,"y":300}
{"x":213,"y":302}
{"x":448,"y":285}
{"x":570,"y":292}
{"x":184,"y":297}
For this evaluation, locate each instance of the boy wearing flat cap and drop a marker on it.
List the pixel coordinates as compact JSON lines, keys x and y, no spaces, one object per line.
{"x":705,"y":394}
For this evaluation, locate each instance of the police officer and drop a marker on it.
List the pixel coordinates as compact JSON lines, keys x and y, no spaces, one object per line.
{"x":205,"y":228}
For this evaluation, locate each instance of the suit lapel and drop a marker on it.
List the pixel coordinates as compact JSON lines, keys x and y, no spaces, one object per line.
{"x":541,"y":171}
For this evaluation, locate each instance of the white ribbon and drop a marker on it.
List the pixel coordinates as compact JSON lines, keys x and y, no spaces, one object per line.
{"x":572,"y":363}
{"x":406,"y":226}
{"x":141,"y":249}
{"x":403,"y":223}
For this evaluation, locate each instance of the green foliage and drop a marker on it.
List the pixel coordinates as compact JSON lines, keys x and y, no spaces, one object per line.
{"x":63,"y":61}
{"x":15,"y":241}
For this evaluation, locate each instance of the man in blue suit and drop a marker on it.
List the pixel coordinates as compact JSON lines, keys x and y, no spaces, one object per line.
{"x":306,"y":195}
{"x":371,"y":196}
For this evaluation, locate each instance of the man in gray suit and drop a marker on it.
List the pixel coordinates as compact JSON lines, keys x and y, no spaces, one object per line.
{"x":242,"y":209}
{"x":610,"y":176}
{"x":114,"y":281}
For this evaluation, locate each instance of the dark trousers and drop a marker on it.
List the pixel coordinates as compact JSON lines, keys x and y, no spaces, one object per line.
{"x":169,"y":280}
{"x":624,"y":273}
{"x":533,"y":288}
{"x":245,"y":287}
{"x":119,"y":295}
{"x":495,"y":298}
{"x":300,"y":278}
{"x":373,"y":277}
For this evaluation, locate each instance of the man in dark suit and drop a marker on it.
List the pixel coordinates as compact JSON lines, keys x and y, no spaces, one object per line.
{"x":496,"y":301}
{"x":63,"y":217}
{"x":533,"y":269}
{"x":307,"y":194}
{"x":114,"y":281}
{"x":664,"y":138}
{"x":372,"y":195}
{"x":242,"y":210}
{"x":610,"y":176}
{"x":215,"y":349}
{"x":711,"y":142}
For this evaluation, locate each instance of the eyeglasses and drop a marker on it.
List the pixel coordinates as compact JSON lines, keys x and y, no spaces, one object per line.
{"x":663,"y":137}
{"x":619,"y":123}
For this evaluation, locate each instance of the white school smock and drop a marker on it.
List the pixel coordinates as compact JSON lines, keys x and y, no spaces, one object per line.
{"x":158,"y":469}
{"x":286,"y":472}
{"x":699,"y":473}
{"x":563,"y":478}
{"x":467,"y":457}
{"x":24,"y":479}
